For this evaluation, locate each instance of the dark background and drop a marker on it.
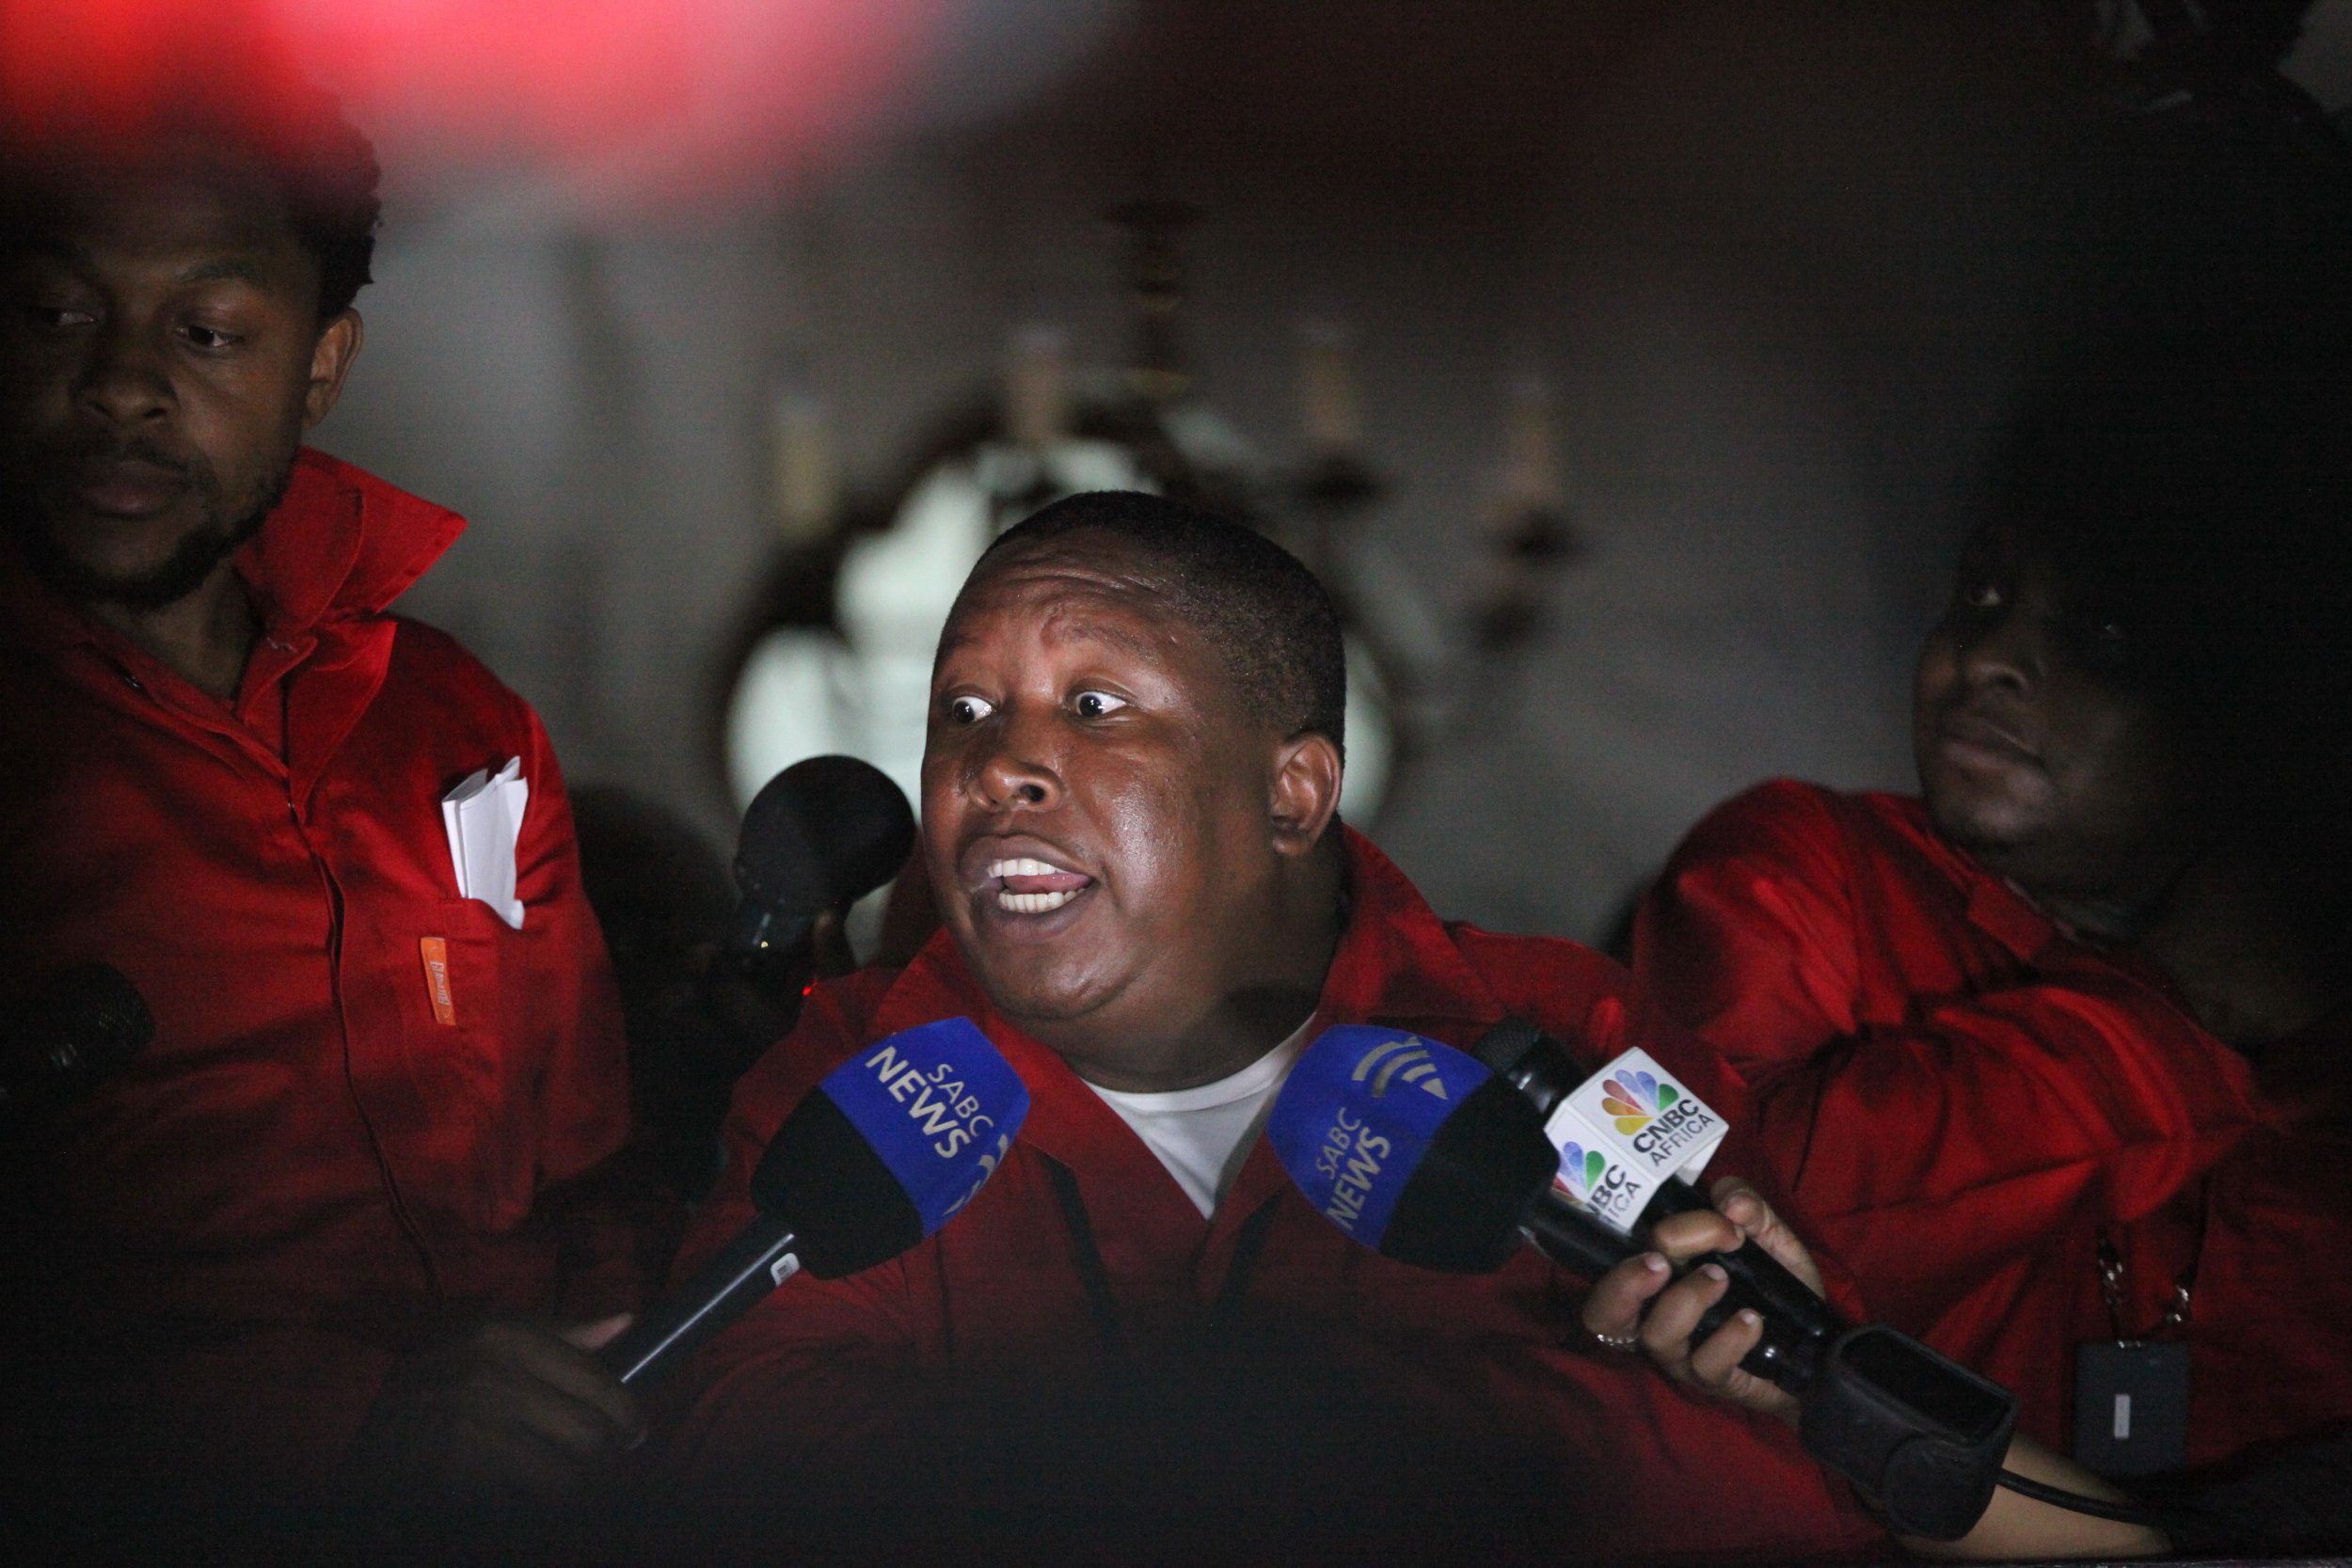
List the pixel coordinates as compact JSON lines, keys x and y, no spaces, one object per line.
{"x":1783,"y":266}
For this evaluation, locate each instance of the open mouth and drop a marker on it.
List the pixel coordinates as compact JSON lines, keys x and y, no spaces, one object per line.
{"x":1026,"y":885}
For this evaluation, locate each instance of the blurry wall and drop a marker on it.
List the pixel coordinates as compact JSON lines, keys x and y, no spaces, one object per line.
{"x":1783,"y":264}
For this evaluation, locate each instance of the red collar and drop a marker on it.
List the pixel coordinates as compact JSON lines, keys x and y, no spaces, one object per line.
{"x":343,"y":544}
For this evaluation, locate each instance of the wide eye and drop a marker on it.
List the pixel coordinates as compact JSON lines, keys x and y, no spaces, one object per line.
{"x":1097,"y":705}
{"x":1980,"y":593}
{"x":969,"y":710}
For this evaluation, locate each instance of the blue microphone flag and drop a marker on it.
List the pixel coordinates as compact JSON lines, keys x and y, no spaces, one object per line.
{"x":940,"y":1107}
{"x":1358,"y":1115}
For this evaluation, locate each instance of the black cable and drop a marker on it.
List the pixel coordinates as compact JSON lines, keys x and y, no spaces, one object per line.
{"x":2075,"y":1502}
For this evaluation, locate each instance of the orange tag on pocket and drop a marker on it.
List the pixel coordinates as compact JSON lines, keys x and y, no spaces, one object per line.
{"x":437,"y":978}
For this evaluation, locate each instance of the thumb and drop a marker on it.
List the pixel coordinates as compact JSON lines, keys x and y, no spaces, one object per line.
{"x":595,"y":1335}
{"x":1737,"y":1202}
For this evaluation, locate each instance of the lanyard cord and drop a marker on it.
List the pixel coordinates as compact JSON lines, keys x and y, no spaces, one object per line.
{"x":1103,"y":1306}
{"x":2176,"y":1309}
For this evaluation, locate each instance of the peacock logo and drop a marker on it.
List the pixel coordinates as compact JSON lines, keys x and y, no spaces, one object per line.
{"x":1636,"y":1098}
{"x":1403,"y":1058}
{"x":1581,"y":1170}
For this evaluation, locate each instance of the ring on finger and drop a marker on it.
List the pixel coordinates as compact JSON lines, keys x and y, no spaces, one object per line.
{"x":1622,"y":1343}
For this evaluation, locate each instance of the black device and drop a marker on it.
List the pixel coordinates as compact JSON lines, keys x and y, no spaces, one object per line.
{"x":74,"y":1034}
{"x":818,"y":836}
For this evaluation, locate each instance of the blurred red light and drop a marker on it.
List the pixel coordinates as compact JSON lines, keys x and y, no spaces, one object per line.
{"x":700,"y":91}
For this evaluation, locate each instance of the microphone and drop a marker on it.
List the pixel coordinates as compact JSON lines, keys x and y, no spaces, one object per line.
{"x":77,"y":1031}
{"x":818,"y":836}
{"x":1420,"y":1152}
{"x":1632,"y":1142}
{"x":881,"y":1154}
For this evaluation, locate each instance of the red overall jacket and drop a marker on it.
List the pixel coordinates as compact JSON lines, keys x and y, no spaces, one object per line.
{"x":306,"y":1169}
{"x":1963,"y":1099}
{"x":823,"y":1369}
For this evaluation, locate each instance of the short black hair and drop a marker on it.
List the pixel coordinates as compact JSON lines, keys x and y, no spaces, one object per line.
{"x":299,"y":141}
{"x":1268,"y":616}
{"x":326,"y":169}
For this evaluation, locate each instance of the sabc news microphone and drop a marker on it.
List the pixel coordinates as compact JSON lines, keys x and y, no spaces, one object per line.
{"x":1422,"y":1154}
{"x":877,"y":1156}
{"x":76,"y":1032}
{"x":820,"y":835}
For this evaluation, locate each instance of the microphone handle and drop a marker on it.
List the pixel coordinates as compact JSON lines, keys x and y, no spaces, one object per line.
{"x":1770,"y":1288}
{"x":763,"y":1257}
{"x":1789,"y":1351}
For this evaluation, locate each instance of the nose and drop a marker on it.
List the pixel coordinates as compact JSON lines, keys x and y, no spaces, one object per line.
{"x":1014,"y":767}
{"x":124,"y":381}
{"x":2011,"y":652}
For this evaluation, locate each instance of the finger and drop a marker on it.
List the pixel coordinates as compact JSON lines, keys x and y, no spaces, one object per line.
{"x":1683,"y":1237}
{"x":1739,"y":1204}
{"x":1613,"y":1308}
{"x":509,"y":1400}
{"x":1715,"y":1367}
{"x":594,"y":1335}
{"x":1673,"y":1317}
{"x":539,"y":1355}
{"x":1715,"y":1361}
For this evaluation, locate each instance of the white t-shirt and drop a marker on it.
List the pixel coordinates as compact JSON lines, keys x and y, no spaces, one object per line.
{"x":1204,"y":1134}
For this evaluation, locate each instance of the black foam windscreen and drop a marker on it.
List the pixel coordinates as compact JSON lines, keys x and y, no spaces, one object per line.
{"x":1461,"y":1210}
{"x":822,"y":1178}
{"x":824,"y":832}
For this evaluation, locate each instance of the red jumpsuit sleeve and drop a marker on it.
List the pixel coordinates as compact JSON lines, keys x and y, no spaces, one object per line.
{"x":1924,"y":1152}
{"x":815,"y":1372}
{"x":616,"y":1220}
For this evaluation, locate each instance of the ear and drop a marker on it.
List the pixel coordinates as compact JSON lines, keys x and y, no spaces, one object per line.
{"x":330,"y":361}
{"x":1306,"y":793}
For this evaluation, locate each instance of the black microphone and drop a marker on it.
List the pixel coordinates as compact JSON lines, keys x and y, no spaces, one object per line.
{"x":881,"y":1153}
{"x":818,"y":836}
{"x":76,"y":1032}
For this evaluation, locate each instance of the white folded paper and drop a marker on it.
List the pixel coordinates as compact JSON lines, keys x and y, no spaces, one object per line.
{"x":484,"y":817}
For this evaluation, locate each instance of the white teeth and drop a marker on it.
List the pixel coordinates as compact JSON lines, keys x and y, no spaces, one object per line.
{"x":1033,"y":903}
{"x":1024,"y":867}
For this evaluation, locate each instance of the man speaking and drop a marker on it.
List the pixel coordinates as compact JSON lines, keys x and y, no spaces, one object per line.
{"x":1139,"y":1326}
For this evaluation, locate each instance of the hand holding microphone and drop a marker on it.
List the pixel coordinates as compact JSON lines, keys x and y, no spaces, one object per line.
{"x":1420,"y":1152}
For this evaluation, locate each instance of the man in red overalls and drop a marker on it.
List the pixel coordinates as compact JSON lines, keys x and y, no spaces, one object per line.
{"x":2052,"y":1056}
{"x":312,"y":1235}
{"x":1138,"y":1340}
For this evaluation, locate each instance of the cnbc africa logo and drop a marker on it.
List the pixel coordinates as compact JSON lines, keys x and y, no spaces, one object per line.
{"x":1637,"y":1099}
{"x":1403,"y":1058}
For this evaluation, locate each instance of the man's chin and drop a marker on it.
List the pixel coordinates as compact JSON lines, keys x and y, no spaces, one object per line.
{"x":150,"y":585}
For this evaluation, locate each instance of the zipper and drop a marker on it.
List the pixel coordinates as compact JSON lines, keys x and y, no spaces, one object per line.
{"x":401,"y":1215}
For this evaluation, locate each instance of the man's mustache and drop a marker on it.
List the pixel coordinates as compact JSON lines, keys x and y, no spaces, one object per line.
{"x":101,"y":451}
